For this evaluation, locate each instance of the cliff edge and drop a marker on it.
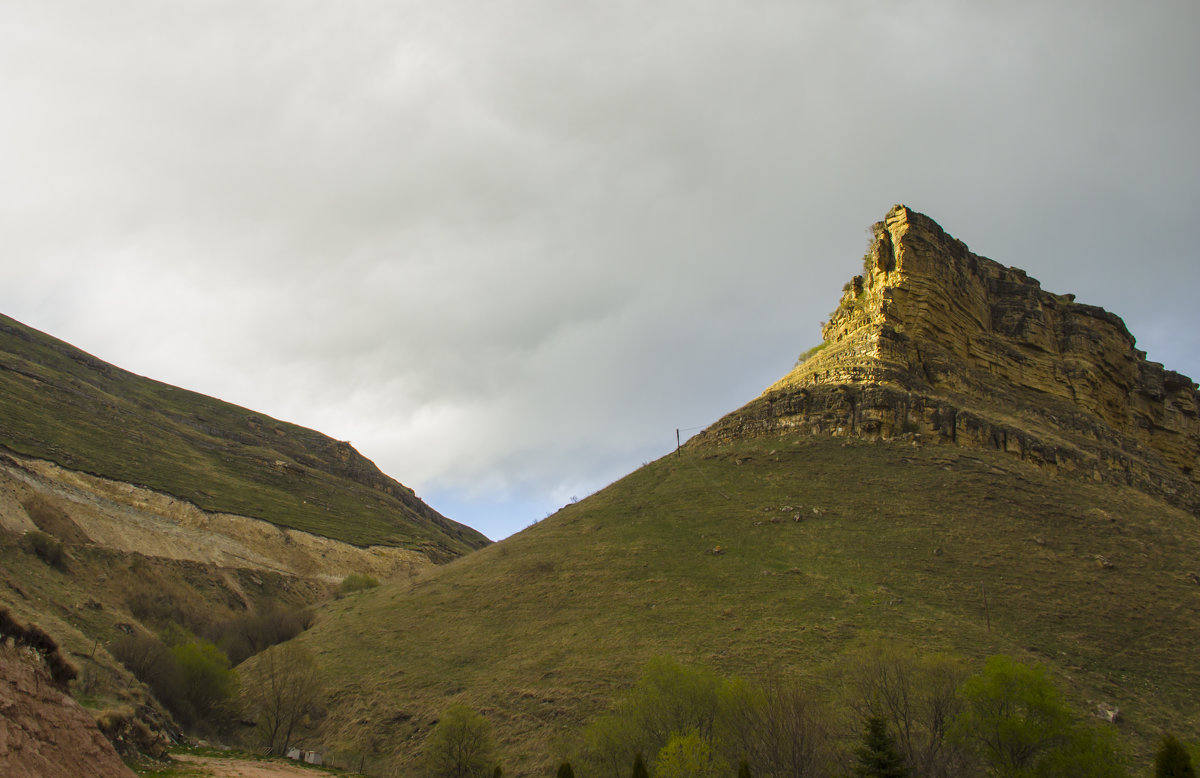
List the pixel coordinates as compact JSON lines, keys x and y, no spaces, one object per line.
{"x":942,"y":345}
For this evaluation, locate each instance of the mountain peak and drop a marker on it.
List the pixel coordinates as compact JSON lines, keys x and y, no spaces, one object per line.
{"x":944,"y":345}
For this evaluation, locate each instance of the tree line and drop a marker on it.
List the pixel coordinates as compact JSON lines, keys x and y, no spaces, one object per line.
{"x":903,"y":715}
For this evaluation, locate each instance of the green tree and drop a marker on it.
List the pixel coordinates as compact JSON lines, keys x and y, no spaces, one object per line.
{"x":689,"y":756}
{"x":1088,"y":752}
{"x":1173,"y":760}
{"x":1013,"y":715}
{"x":209,"y":683}
{"x":879,"y":756}
{"x":1020,"y":726}
{"x":668,"y":698}
{"x":565,"y":771}
{"x":639,"y":766}
{"x":460,"y":746}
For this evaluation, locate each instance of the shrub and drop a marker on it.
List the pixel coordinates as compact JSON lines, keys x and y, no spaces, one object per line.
{"x":191,"y":678}
{"x":357,"y":582}
{"x":152,"y":662}
{"x":689,"y":756}
{"x":47,"y":548}
{"x":209,"y":683}
{"x":460,"y":746}
{"x":159,"y":607}
{"x":1173,"y":760}
{"x":250,"y":634}
{"x":800,"y":360}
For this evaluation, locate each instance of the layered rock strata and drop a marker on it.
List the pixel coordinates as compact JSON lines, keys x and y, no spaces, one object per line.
{"x":938,"y":343}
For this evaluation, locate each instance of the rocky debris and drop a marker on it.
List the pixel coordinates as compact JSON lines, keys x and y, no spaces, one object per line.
{"x":79,"y":508}
{"x":134,"y":733}
{"x":39,"y":646}
{"x":43,"y":732}
{"x":935,"y":344}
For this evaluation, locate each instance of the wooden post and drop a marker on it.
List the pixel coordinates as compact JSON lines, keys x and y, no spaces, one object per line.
{"x":677,"y":443}
{"x":986,"y":611}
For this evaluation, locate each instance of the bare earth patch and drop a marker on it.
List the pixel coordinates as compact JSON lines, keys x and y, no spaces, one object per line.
{"x":217,"y":767}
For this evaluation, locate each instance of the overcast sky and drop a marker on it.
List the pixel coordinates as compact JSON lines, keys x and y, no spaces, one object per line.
{"x":507,"y":248}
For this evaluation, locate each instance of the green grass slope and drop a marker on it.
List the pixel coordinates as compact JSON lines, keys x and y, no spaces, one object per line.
{"x":823,"y":546}
{"x":61,"y":404}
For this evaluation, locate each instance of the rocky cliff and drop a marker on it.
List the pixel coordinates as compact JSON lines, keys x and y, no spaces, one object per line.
{"x":941,"y":345}
{"x":43,"y":732}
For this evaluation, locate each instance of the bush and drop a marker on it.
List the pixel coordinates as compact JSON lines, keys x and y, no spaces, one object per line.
{"x":1173,"y":760}
{"x":689,"y":756}
{"x":159,"y":608}
{"x":47,"y":548}
{"x":357,"y":582}
{"x":1020,"y":725}
{"x":209,"y":683}
{"x":152,"y":662}
{"x":460,"y":746}
{"x":252,"y":633}
{"x":191,"y":678}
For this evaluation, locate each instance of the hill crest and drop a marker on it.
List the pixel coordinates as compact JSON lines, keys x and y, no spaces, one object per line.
{"x":60,"y":404}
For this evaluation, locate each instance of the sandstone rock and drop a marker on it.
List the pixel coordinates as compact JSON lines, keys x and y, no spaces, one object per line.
{"x":940,"y":345}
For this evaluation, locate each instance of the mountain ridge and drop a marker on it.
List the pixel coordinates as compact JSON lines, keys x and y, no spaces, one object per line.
{"x":66,"y":406}
{"x":933,"y":340}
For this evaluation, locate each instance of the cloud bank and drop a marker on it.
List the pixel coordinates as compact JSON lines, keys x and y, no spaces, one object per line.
{"x":507,"y":249}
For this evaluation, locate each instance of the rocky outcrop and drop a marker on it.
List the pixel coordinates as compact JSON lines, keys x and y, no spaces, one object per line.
{"x":78,"y":509}
{"x":43,"y":732}
{"x":938,"y":343}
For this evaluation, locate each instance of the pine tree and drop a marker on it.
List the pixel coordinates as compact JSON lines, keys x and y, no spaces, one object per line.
{"x":744,"y":769}
{"x":639,"y":767}
{"x":1173,"y":760}
{"x":878,"y":757}
{"x":565,"y":771}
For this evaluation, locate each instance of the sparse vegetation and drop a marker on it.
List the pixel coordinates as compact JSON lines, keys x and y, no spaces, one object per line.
{"x":792,"y":597}
{"x":810,"y":353}
{"x":68,"y":407}
{"x":281,"y":691}
{"x":48,"y":548}
{"x":244,"y":636}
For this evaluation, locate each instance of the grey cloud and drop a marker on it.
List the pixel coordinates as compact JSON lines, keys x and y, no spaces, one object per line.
{"x":507,"y":248}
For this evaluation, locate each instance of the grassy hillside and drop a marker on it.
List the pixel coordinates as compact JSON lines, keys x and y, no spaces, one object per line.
{"x":61,"y":404}
{"x":778,"y":555}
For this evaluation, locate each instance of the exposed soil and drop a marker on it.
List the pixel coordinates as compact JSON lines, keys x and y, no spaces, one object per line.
{"x":217,"y":767}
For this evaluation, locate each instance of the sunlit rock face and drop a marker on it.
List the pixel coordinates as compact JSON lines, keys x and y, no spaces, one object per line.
{"x":942,"y":345}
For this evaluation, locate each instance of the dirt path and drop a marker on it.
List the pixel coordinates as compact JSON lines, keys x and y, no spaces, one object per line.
{"x":216,"y":767}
